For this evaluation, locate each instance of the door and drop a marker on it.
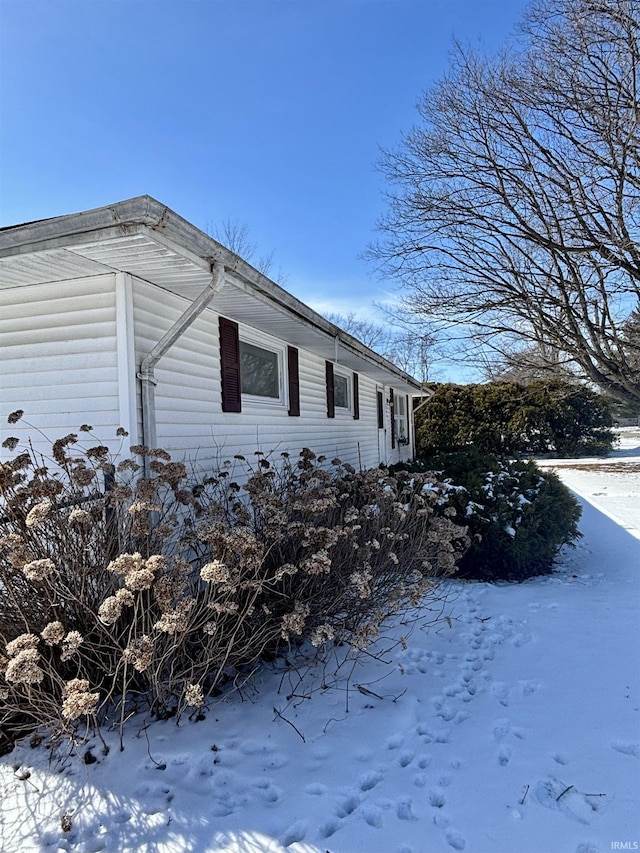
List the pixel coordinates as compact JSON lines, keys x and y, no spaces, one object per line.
{"x":382,"y":431}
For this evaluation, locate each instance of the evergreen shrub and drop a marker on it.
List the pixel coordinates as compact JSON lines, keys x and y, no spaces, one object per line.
{"x":512,"y":419}
{"x":518,"y":516}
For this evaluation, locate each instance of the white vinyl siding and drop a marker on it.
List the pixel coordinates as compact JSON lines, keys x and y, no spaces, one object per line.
{"x":59,"y":358}
{"x":190,"y":420}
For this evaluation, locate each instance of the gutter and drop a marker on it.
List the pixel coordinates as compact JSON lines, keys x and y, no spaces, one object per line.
{"x":147,"y":367}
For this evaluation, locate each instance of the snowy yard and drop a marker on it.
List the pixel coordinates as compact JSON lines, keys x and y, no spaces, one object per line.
{"x":513,"y":726}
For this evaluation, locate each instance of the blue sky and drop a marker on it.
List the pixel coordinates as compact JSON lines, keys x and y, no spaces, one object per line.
{"x":267,"y":112}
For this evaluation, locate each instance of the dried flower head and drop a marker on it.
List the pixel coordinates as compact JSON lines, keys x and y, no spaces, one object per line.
{"x":285,"y":569}
{"x":83,"y":476}
{"x":139,"y":580}
{"x":322,"y":634}
{"x":53,"y":633}
{"x":22,"y":642}
{"x":317,"y":564}
{"x":362,"y":583}
{"x":78,"y":700}
{"x":38,"y":570}
{"x":111,"y":608}
{"x":215,"y":572}
{"x":11,"y":443}
{"x":139,"y":653}
{"x":125,"y":563}
{"x":156,"y":563}
{"x":24,"y":669}
{"x":222,"y":607}
{"x":71,"y":644}
{"x":38,"y":513}
{"x":58,"y":448}
{"x":293,"y":623}
{"x":194,"y":696}
{"x":176,"y":620}
{"x":144,"y":506}
{"x":14,"y":417}
{"x":79,"y":517}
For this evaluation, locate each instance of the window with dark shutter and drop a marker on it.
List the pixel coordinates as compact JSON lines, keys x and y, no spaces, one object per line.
{"x":230,"y":365}
{"x":331,"y":406}
{"x":356,"y":398}
{"x":294,"y":381}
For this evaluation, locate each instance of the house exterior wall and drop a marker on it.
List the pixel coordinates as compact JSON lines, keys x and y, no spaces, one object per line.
{"x":59,"y":360}
{"x":189,"y":417}
{"x":71,"y":351}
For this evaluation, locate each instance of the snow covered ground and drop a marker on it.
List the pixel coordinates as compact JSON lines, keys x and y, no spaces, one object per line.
{"x":513,"y":726}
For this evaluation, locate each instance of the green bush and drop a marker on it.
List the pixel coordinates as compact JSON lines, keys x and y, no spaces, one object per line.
{"x":511,"y":419}
{"x":120,"y":593}
{"x":518,"y":516}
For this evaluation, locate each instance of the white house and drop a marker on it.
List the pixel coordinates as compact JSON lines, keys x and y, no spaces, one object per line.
{"x":129,"y":316}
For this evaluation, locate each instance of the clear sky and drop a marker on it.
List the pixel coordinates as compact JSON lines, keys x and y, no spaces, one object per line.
{"x":267,"y":112}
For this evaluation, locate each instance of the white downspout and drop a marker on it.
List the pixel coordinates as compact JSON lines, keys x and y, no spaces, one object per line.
{"x":146,"y":375}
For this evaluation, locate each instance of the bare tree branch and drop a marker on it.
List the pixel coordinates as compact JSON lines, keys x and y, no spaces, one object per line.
{"x":514,"y":205}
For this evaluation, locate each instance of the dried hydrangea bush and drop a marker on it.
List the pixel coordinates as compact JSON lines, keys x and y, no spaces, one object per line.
{"x":120,"y":593}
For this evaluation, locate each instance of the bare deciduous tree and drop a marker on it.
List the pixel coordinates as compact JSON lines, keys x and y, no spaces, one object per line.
{"x":410,"y":349}
{"x":514,"y":205}
{"x":234,"y":235}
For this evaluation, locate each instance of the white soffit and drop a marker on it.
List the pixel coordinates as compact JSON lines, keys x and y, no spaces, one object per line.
{"x":51,"y":265}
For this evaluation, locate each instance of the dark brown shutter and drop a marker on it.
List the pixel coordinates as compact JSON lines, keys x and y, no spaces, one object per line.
{"x":408,"y":421}
{"x":230,"y":366}
{"x":331,"y":403}
{"x":294,"y":382}
{"x":356,"y":398}
{"x":380,"y":410}
{"x":393,"y":420}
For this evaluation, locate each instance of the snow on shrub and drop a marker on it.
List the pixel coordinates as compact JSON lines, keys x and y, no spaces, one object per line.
{"x":518,"y":516}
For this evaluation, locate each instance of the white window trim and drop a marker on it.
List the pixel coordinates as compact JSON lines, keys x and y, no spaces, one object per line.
{"x":250,"y":336}
{"x":402,"y":441}
{"x":349,"y":377}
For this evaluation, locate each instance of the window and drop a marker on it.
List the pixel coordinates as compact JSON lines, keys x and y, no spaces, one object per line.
{"x":400,"y":418}
{"x":255,"y":369}
{"x":341,"y":391}
{"x":259,"y":371}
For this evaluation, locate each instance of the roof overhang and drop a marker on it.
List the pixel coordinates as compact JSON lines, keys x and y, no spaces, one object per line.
{"x":145,"y":238}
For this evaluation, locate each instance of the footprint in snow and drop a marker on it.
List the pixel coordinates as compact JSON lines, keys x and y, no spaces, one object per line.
{"x":504,"y":754}
{"x":369,"y":780}
{"x":501,"y":692}
{"x":329,"y":827}
{"x":455,"y":839}
{"x":437,"y":798}
{"x":406,"y":758}
{"x":296,"y":832}
{"x":627,"y":748}
{"x":316,"y":789}
{"x":372,"y":816}
{"x":555,"y":794}
{"x":403,"y":810}
{"x":348,"y":805}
